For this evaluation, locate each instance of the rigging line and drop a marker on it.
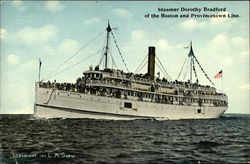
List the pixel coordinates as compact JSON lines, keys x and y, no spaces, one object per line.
{"x":101,"y":57}
{"x":182,"y":68}
{"x":119,"y":51}
{"x":141,"y":64}
{"x":73,"y":65}
{"x":195,"y":71}
{"x":162,"y":71}
{"x":163,"y":68}
{"x":141,"y":67}
{"x":187,"y":68}
{"x":75,"y":53}
{"x":101,"y":60}
{"x":160,"y":67}
{"x":203,"y":70}
{"x":112,"y":59}
{"x":103,"y":52}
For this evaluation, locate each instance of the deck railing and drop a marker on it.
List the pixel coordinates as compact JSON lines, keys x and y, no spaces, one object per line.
{"x":73,"y":88}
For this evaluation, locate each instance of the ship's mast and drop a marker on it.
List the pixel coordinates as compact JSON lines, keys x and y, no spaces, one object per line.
{"x":192,"y":68}
{"x":108,"y":29}
{"x":191,"y":55}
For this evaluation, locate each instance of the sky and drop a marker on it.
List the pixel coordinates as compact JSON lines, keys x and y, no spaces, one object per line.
{"x":55,"y":30}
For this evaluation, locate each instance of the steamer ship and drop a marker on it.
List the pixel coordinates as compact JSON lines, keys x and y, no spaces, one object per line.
{"x":113,"y":94}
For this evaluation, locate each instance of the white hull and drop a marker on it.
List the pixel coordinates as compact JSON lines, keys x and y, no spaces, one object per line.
{"x":62,"y":104}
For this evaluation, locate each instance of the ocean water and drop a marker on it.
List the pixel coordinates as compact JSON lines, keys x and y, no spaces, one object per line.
{"x":223,"y":140}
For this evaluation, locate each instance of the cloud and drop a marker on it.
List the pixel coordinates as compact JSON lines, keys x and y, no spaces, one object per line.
{"x":163,"y":44}
{"x":30,"y":35}
{"x":92,"y":21}
{"x":32,"y":64}
{"x":226,"y":50}
{"x":27,"y":66}
{"x":122,"y":12}
{"x":220,"y":42}
{"x":48,"y":50}
{"x":223,"y":41}
{"x":54,"y":6}
{"x":228,"y":60}
{"x":138,"y":35}
{"x":192,"y":24}
{"x":244,"y":54}
{"x":245,"y":86}
{"x":19,"y":5}
{"x":3,"y":34}
{"x":226,"y":46}
{"x":218,"y":39}
{"x":68,"y":47}
{"x":13,"y":59}
{"x":238,"y":40}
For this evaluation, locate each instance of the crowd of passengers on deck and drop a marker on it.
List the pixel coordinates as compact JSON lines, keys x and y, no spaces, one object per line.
{"x":82,"y":88}
{"x":145,"y":78}
{"x":81,"y":84}
{"x":186,"y":84}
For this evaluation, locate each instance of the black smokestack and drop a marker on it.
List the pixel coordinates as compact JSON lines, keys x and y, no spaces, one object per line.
{"x":151,"y":62}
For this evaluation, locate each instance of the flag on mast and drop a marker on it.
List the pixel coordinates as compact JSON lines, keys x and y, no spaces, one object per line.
{"x":218,"y":75}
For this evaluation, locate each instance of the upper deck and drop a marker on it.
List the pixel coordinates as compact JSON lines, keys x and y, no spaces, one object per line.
{"x":143,"y":83}
{"x":133,"y":83}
